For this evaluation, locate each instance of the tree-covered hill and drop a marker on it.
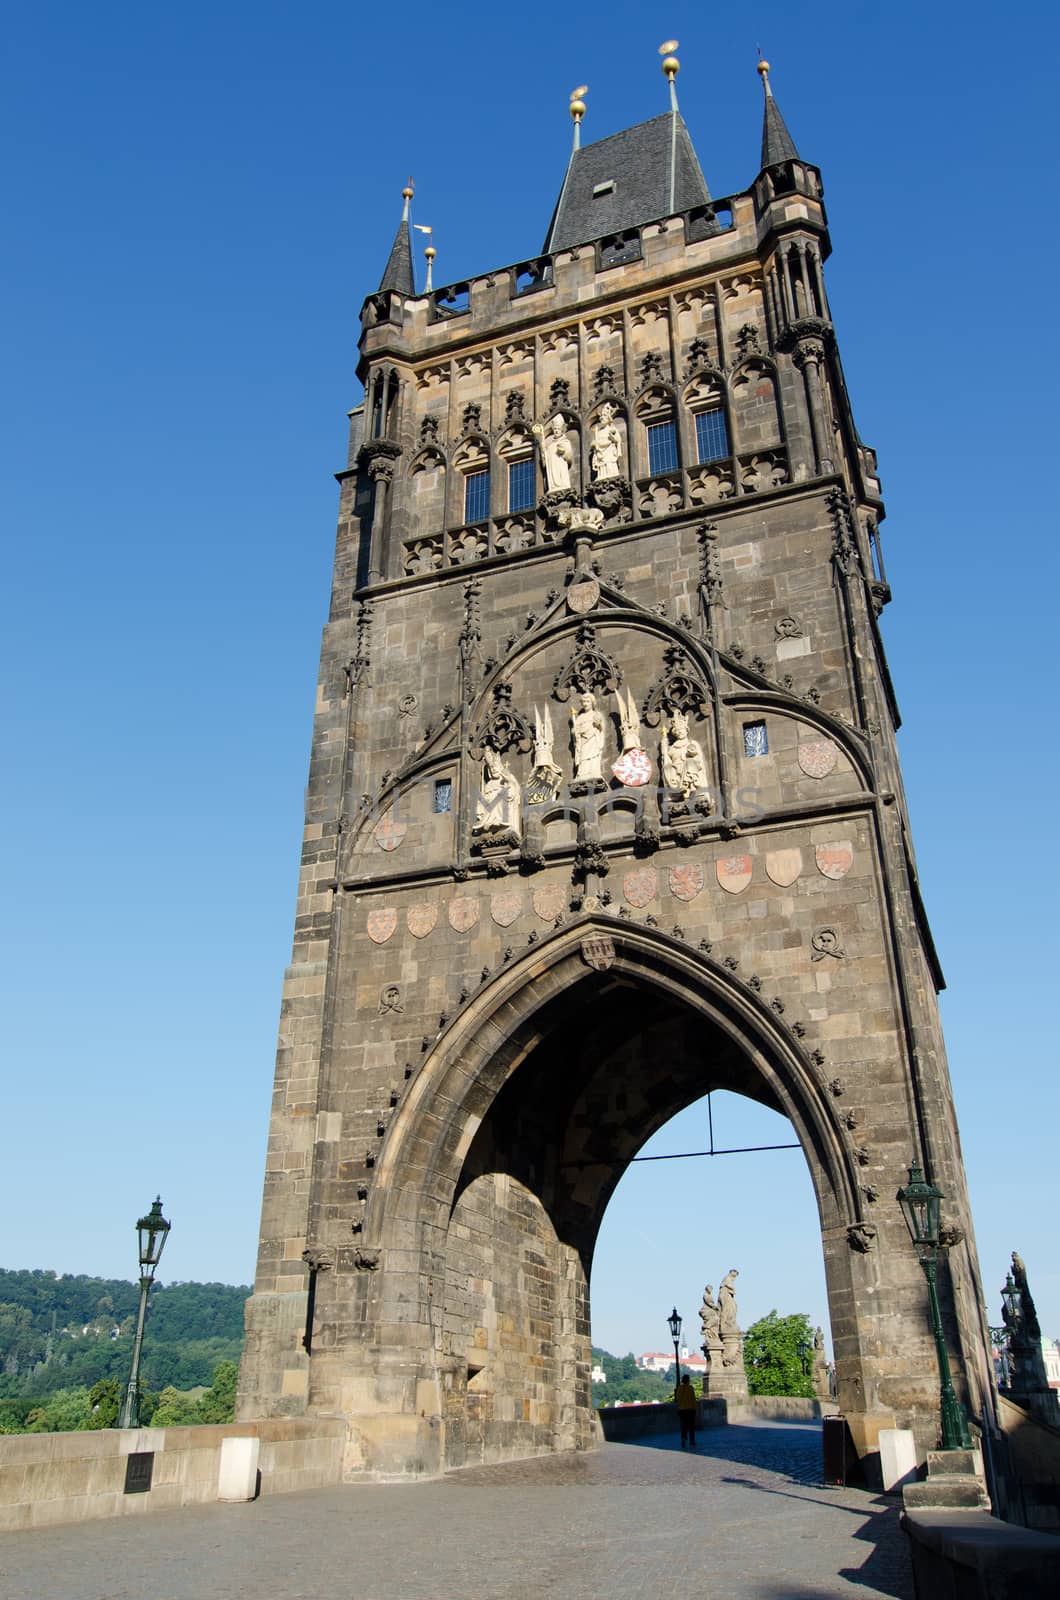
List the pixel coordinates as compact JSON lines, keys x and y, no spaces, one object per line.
{"x":62,"y":1332}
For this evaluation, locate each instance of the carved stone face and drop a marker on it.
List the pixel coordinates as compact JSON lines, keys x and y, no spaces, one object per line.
{"x":558,"y":426}
{"x":586,"y":702}
{"x":607,"y":413}
{"x":679,"y":725}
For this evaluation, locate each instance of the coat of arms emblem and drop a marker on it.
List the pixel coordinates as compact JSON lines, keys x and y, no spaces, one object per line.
{"x":835,"y":860}
{"x":422,"y":919}
{"x":783,"y":866}
{"x":641,"y":886}
{"x":817,"y":757}
{"x":598,"y":951}
{"x":686,"y":881}
{"x":504,"y":908}
{"x":550,"y":902}
{"x":463,"y":913}
{"x":734,"y":873}
{"x":389,"y":832}
{"x":381,"y":923}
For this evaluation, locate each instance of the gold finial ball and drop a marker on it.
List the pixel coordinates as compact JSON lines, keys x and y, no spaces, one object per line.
{"x":430,"y":252}
{"x":671,"y":66}
{"x":577,"y":109}
{"x":406,"y":193}
{"x":763,"y":68}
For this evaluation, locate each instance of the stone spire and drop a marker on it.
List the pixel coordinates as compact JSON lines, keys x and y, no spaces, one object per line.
{"x":399,"y":274}
{"x":777,"y":143}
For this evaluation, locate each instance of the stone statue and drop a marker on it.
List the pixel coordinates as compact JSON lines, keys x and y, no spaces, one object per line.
{"x":681,"y":758}
{"x":730,"y":1329}
{"x":633,"y":767}
{"x":605,"y":450}
{"x":587,"y":735}
{"x":710,"y":1320}
{"x":498,"y":802}
{"x":821,"y":1386}
{"x":557,"y":453}
{"x":546,"y":778}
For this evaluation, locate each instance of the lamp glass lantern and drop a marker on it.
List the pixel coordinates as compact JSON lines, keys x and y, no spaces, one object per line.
{"x":1011,"y":1296}
{"x":920,"y":1202}
{"x":153,"y":1231}
{"x":675,"y":1319}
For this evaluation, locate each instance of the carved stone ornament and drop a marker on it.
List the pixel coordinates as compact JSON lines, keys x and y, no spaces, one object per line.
{"x":389,"y":832}
{"x":550,"y":901}
{"x":366,"y":1260}
{"x":381,"y":923}
{"x":318,"y":1259}
{"x":407,"y":705}
{"x":783,"y":866}
{"x":390,"y":999}
{"x":679,"y":689}
{"x":825,"y":942}
{"x":787,"y":628}
{"x":834,"y":860}
{"x":598,"y":951}
{"x":734,"y":873}
{"x":686,"y":881}
{"x":641,"y":886}
{"x":817,"y":757}
{"x":463,"y":913}
{"x":502,"y":728}
{"x":588,"y":669}
{"x":422,"y":919}
{"x":861,"y":1236}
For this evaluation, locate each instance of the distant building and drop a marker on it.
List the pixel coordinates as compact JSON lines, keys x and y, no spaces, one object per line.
{"x":598,"y":1375}
{"x":662,"y":1361}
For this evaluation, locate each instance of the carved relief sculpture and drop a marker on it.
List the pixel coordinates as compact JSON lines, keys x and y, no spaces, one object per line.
{"x":587,"y":737}
{"x":605,"y":455}
{"x":633,"y":767}
{"x":681,"y":759}
{"x":556,"y":452}
{"x":498,"y":802}
{"x":546,"y":778}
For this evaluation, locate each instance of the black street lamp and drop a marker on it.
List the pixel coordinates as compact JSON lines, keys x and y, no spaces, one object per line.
{"x":920,"y":1207}
{"x":153,"y":1231}
{"x":674,"y":1319}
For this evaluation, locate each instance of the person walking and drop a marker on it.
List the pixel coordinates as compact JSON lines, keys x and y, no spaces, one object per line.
{"x":687,"y":1406}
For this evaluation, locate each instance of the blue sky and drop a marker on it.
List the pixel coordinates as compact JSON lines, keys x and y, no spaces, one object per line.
{"x":197,"y":200}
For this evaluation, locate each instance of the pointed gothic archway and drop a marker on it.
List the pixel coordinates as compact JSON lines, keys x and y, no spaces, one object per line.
{"x":499,"y":1165}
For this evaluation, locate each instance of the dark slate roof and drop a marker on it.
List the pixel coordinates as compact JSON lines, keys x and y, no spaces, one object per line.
{"x":777,"y":143}
{"x":637,"y":162}
{"x":398,"y":274}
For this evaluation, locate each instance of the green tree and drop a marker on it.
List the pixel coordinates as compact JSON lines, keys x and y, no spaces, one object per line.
{"x":105,"y":1399}
{"x":218,"y":1404}
{"x":175,"y":1410}
{"x":777,"y":1354}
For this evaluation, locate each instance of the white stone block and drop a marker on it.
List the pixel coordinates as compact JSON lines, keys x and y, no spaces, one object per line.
{"x":238,"y":1476}
{"x":897,"y":1458}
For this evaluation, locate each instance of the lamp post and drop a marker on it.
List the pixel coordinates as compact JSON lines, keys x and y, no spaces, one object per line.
{"x":920,"y":1207}
{"x":674,"y":1319}
{"x":153,"y":1231}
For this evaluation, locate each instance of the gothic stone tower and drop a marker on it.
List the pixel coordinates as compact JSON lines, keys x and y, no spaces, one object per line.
{"x":604,"y":812}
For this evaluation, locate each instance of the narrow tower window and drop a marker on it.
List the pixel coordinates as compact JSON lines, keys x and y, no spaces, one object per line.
{"x":712,"y":436}
{"x":662,"y":447}
{"x":476,"y":497}
{"x":755,"y":739}
{"x":521,"y":485}
{"x":443,"y":794}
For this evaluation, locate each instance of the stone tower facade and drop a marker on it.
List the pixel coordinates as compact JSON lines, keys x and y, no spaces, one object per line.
{"x":604,"y":812}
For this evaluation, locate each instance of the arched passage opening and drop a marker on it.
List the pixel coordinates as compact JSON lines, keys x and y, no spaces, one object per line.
{"x":510,"y":1143}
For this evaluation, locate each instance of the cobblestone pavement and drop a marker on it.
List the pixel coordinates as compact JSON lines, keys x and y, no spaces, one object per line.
{"x":744,"y":1518}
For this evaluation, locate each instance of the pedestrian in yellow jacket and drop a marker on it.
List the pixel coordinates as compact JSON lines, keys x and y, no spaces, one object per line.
{"x":687,"y":1406}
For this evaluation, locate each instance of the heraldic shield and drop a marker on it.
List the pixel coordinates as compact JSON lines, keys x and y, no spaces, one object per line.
{"x":686,"y":881}
{"x":640,"y":887}
{"x":598,"y":951}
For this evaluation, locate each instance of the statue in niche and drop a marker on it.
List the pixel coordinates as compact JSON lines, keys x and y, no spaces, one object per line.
{"x":556,"y":452}
{"x":587,"y":736}
{"x":633,"y":767}
{"x":606,"y":445}
{"x":710,"y":1320}
{"x":546,"y":778}
{"x":498,"y":802}
{"x":681,"y":758}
